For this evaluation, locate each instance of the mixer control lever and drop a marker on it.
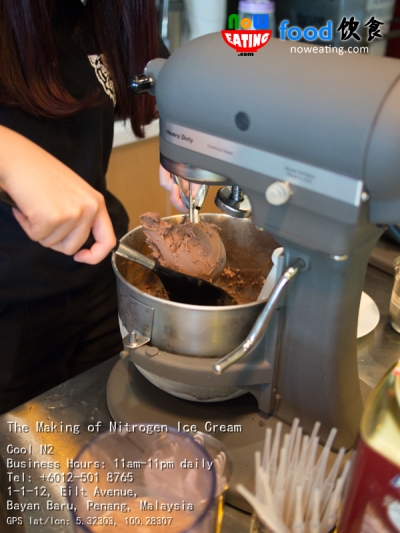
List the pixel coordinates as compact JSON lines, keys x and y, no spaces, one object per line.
{"x":263,"y":319}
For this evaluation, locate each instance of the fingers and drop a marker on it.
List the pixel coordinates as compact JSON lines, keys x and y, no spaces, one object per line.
{"x":65,"y":233}
{"x":70,"y":235}
{"x":56,"y":207}
{"x":95,"y":254}
{"x":168,"y":183}
{"x":105,"y":238}
{"x":166,"y":180}
{"x":176,"y":200}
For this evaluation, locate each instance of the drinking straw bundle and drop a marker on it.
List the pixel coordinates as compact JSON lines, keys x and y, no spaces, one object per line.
{"x":294,"y":491}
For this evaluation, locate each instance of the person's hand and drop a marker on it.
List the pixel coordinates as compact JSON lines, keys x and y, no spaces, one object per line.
{"x":56,"y":207}
{"x":168,"y":183}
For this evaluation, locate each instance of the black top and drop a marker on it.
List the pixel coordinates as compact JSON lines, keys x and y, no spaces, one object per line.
{"x":83,"y":142}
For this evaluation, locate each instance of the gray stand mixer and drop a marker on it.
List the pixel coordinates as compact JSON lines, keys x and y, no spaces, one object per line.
{"x":313,"y":142}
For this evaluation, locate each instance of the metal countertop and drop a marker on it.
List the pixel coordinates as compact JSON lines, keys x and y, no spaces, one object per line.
{"x":81,"y":402}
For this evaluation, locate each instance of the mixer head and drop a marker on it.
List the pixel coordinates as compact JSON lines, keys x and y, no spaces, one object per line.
{"x":285,"y":118}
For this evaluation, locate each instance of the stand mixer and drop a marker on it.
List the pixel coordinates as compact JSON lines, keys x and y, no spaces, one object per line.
{"x":312,"y":140}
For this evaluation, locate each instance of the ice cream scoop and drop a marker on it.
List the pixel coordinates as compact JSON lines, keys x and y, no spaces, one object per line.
{"x":193,"y":196}
{"x":195,"y":249}
{"x":180,"y":287}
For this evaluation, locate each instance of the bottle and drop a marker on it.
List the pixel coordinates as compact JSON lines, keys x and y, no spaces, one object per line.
{"x":204,"y":16}
{"x":394,"y":308}
{"x":372,"y":500}
{"x":264,"y":11}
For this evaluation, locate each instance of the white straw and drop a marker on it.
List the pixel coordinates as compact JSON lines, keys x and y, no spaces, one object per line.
{"x":294,"y":491}
{"x":330,"y":480}
{"x":269,"y":499}
{"x":330,"y":514}
{"x":279,"y":488}
{"x":294,"y":459}
{"x":314,"y":525}
{"x":315,"y":430}
{"x":301,"y":466}
{"x":257,"y":469}
{"x":298,"y":523}
{"x":274,"y":453}
{"x":267,"y":448}
{"x":309,"y":473}
{"x":262,"y":511}
{"x":291,"y":476}
{"x":292,"y":436}
{"x":320,"y":467}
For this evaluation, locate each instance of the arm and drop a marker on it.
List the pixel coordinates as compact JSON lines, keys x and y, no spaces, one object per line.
{"x":57,"y":208}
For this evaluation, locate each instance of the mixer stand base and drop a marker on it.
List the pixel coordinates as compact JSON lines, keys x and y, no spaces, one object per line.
{"x":132,"y":399}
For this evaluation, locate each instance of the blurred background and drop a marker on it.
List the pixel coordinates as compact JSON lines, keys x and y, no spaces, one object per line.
{"x":181,"y":20}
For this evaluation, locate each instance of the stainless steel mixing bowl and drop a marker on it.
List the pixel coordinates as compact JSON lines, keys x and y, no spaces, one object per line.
{"x":189,"y":330}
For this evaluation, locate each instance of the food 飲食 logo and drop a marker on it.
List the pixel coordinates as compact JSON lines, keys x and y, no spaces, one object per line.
{"x":245,"y":40}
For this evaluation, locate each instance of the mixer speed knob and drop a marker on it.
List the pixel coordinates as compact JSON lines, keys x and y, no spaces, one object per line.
{"x":278,"y":193}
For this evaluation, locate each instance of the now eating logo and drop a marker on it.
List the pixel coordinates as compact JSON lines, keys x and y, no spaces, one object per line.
{"x":246,"y":40}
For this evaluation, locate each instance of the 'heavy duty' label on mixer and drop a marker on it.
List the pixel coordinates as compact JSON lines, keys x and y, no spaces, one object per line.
{"x":315,"y":179}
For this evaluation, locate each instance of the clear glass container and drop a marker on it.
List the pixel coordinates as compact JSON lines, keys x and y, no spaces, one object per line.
{"x":151,"y":475}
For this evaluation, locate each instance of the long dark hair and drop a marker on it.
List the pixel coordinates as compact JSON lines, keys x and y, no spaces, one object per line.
{"x":124,"y":30}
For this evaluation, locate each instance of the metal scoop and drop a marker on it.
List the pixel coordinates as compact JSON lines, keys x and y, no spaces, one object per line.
{"x":192,"y":203}
{"x":180,"y":287}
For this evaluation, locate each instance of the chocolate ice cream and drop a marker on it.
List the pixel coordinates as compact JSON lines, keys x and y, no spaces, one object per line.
{"x":194,"y":249}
